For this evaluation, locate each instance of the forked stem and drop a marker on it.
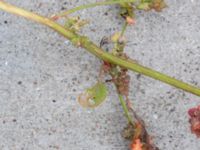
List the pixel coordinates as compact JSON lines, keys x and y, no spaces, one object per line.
{"x":100,"y":53}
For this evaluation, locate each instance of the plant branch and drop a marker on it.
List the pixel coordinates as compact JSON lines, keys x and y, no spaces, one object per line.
{"x":94,"y":49}
{"x":109,"y":2}
{"x":124,"y":28}
{"x":126,"y":111}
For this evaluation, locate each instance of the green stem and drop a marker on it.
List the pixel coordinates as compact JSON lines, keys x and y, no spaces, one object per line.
{"x":126,"y":112}
{"x":109,"y":2}
{"x":124,"y":29}
{"x":94,"y":49}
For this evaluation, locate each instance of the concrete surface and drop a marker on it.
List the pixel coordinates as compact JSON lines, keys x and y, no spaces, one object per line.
{"x":41,"y":74}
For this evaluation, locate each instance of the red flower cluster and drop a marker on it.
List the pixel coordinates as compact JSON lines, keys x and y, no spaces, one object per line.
{"x":120,"y":77}
{"x":194,"y":114}
{"x":137,"y":145}
{"x":122,"y":82}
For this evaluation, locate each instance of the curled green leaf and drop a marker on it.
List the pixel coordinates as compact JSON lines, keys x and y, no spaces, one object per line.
{"x":93,"y":96}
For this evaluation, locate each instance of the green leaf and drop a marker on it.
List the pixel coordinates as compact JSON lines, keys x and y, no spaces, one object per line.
{"x":93,"y":96}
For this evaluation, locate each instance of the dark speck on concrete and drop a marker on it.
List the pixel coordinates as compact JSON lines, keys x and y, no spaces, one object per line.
{"x":138,"y":76}
{"x":63,"y":8}
{"x":106,"y":13}
{"x":19,"y":82}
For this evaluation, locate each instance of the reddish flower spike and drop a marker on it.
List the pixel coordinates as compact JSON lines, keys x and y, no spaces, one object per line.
{"x":191,"y":112}
{"x":194,"y":114}
{"x":137,"y":145}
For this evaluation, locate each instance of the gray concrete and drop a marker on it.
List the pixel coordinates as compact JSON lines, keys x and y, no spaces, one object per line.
{"x":41,"y":75}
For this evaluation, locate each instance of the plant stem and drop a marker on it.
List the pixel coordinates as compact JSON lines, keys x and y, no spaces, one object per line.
{"x":124,"y":28}
{"x":94,"y":49}
{"x":126,"y":112}
{"x":109,"y":2}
